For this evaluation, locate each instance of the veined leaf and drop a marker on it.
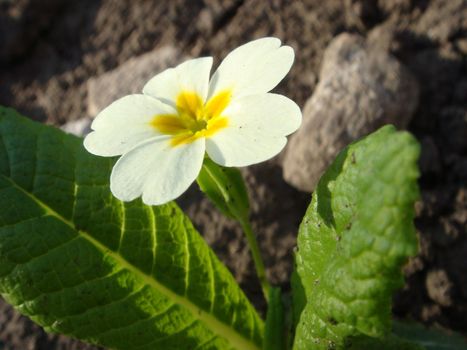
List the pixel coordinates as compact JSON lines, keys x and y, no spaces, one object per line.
{"x":356,"y":234}
{"x":123,"y":275}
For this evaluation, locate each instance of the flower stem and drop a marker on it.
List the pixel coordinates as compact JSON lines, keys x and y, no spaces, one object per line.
{"x":258,"y":261}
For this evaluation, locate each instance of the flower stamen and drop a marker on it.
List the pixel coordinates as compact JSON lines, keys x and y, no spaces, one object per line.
{"x":193,"y":119}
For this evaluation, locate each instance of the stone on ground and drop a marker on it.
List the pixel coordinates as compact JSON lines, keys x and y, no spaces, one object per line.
{"x":360,"y":89}
{"x":130,"y":77}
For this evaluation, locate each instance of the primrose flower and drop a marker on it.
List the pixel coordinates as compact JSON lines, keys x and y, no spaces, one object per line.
{"x":163,"y":134}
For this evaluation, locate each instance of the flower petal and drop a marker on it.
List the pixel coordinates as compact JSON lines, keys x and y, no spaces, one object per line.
{"x":190,"y":76}
{"x":256,"y":67}
{"x":256,"y":131}
{"x":156,"y":170}
{"x":124,"y":124}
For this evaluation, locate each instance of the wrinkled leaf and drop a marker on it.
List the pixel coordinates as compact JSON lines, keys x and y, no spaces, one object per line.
{"x":123,"y":275}
{"x":354,"y":239}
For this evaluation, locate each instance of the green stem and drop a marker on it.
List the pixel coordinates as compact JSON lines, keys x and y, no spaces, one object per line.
{"x":259,"y":265}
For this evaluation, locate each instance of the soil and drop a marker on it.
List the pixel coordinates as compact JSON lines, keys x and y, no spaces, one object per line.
{"x":49,"y":49}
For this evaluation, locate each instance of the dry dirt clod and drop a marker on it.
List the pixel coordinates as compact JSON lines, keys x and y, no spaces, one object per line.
{"x":129,"y":77}
{"x":360,"y":89}
{"x":439,"y":287}
{"x":434,"y":25}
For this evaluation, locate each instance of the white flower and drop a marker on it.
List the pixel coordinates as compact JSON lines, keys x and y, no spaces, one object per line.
{"x":163,"y":134}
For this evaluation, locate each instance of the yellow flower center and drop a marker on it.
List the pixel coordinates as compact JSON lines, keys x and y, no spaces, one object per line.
{"x":194,"y":119}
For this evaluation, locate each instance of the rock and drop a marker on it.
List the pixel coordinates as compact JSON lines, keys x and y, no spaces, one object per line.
{"x":361,"y":88}
{"x":383,"y":37}
{"x":79,"y":127}
{"x":129,"y":77}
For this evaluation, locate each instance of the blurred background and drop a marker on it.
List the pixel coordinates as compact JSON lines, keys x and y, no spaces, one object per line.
{"x":359,"y":64}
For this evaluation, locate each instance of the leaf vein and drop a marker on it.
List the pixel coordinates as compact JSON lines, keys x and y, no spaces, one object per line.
{"x":225,"y":330}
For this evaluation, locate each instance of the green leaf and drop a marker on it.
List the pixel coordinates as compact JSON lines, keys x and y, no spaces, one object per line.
{"x":356,"y":235}
{"x":225,"y":188}
{"x":429,"y":339}
{"x":298,"y":298}
{"x":389,"y":342}
{"x":274,"y":337}
{"x":123,"y":275}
